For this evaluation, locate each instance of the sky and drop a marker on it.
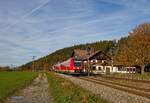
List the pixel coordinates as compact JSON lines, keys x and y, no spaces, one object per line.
{"x":39,"y":27}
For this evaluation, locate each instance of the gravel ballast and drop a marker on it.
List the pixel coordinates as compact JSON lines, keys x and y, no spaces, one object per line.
{"x":110,"y":94}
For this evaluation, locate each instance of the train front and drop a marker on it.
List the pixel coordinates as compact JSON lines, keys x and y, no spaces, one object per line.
{"x":76,"y":66}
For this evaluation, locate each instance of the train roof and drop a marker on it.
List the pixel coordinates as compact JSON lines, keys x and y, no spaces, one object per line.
{"x":66,"y":63}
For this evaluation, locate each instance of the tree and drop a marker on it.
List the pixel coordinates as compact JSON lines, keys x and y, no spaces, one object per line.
{"x":139,"y":44}
{"x":136,"y":49}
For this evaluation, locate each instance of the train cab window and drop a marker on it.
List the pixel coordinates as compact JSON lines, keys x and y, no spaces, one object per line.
{"x":77,"y":63}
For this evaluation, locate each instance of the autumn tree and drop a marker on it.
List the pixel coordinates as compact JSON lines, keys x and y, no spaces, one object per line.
{"x":136,"y":50}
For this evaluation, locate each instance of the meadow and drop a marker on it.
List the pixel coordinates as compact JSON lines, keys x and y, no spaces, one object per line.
{"x":64,"y":91}
{"x":14,"y":80}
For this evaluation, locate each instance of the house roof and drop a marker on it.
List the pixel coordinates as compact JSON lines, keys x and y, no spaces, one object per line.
{"x":84,"y":55}
{"x":100,"y":55}
{"x":81,"y":54}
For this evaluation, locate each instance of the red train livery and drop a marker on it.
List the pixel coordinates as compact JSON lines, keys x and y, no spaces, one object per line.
{"x":69,"y":66}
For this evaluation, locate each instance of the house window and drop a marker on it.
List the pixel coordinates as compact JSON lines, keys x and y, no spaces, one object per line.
{"x":120,"y":69}
{"x":99,"y":68}
{"x":134,"y":69}
{"x":103,"y":61}
{"x":85,"y":61}
{"x":96,"y":61}
{"x":94,"y":68}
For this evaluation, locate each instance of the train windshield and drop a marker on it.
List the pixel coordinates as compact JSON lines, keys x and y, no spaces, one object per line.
{"x":77,"y":63}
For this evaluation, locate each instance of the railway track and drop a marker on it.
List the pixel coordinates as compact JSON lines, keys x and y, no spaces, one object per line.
{"x":127,"y":79}
{"x":126,"y":88}
{"x":123,"y":84}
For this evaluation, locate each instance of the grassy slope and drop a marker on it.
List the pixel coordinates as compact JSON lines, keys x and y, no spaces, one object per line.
{"x":12,"y":81}
{"x":64,"y":91}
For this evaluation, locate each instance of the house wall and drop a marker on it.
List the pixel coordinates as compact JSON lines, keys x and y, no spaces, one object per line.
{"x":103,"y":69}
{"x":127,"y":70}
{"x":98,"y":68}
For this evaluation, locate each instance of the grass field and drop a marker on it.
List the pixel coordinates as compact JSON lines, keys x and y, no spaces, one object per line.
{"x":64,"y":91}
{"x":12,"y":81}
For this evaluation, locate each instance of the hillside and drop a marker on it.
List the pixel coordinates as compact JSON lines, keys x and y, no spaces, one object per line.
{"x":63,"y":54}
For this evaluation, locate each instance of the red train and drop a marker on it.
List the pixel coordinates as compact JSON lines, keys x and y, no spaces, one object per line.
{"x":69,"y":66}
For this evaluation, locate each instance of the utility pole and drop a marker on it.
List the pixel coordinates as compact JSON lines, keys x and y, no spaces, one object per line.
{"x":11,"y":66}
{"x":112,"y":58}
{"x":33,"y":64}
{"x":112,"y":53}
{"x":46,"y":64}
{"x":88,"y":51}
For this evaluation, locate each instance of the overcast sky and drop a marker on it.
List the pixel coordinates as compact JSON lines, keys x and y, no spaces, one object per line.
{"x":38,"y":27}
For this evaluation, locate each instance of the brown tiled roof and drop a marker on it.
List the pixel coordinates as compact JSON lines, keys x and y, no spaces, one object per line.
{"x":83,"y":54}
{"x":101,"y":55}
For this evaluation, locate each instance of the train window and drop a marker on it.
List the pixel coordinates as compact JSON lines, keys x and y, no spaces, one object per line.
{"x":77,"y":63}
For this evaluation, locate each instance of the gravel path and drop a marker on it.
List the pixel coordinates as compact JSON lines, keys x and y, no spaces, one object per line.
{"x":110,"y":94}
{"x":37,"y":92}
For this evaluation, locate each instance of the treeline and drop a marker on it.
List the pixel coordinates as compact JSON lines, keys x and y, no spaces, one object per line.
{"x":128,"y":51}
{"x":63,"y":54}
{"x":6,"y":68}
